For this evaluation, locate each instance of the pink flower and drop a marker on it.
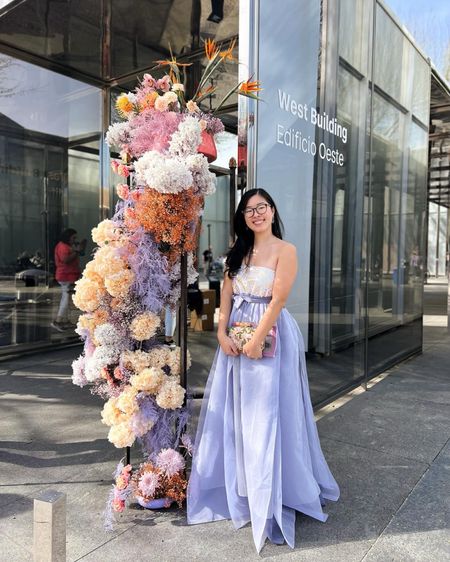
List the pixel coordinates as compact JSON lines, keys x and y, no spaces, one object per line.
{"x":121,"y":482}
{"x":148,"y":483}
{"x":118,"y":506}
{"x":148,"y":81}
{"x":114,"y":165}
{"x":152,"y":130}
{"x":123,"y":191}
{"x":123,"y":170}
{"x":170,"y":461}
{"x":163,"y":84}
{"x":187,"y":442}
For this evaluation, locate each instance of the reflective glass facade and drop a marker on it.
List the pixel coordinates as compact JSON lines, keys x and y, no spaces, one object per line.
{"x":369,"y":237}
{"x":49,"y":167}
{"x":367,"y":219}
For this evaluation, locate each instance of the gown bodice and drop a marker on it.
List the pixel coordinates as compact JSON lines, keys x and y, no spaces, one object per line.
{"x":254,"y":280}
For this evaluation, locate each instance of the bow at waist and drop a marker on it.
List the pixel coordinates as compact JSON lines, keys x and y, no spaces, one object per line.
{"x":239,"y":298}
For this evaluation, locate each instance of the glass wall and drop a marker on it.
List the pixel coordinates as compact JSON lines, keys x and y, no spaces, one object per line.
{"x":49,"y":179}
{"x":368,"y":249}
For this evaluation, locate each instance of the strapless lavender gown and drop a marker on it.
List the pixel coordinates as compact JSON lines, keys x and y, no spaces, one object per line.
{"x":257,"y":452}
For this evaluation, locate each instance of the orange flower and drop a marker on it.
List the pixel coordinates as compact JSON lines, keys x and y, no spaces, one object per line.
{"x":172,"y":62}
{"x":149,"y":101}
{"x":228,"y":53}
{"x":249,"y":86}
{"x":124,"y":105}
{"x":211,"y":49}
{"x":206,"y":92}
{"x":170,"y":217}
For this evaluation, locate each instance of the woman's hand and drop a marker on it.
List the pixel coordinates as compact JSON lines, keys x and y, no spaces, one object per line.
{"x":227,"y":345}
{"x":252,"y":350}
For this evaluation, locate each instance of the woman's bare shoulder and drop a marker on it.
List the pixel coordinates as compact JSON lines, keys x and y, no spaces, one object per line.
{"x":285,"y":248}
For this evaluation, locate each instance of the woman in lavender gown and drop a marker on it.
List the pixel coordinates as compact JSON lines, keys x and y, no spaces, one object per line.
{"x":257,"y":452}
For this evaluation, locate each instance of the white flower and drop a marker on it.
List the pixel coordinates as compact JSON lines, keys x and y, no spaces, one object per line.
{"x":192,"y":107}
{"x":117,"y":134}
{"x":204,"y":180}
{"x":103,"y":356}
{"x":166,"y":175}
{"x":140,"y":425}
{"x":107,"y":334}
{"x":170,"y":97}
{"x":170,"y":395}
{"x":187,"y":138}
{"x":177,"y":87}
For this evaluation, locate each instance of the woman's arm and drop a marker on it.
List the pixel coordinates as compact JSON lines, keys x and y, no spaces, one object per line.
{"x":285,"y":275}
{"x":226,"y":302}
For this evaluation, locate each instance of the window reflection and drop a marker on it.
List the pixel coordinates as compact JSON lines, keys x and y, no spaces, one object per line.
{"x":49,"y":169}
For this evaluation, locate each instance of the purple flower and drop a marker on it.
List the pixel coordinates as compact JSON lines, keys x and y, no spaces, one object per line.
{"x":170,"y":461}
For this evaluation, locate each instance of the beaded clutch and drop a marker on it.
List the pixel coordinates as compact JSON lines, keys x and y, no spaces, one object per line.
{"x":242,"y":332}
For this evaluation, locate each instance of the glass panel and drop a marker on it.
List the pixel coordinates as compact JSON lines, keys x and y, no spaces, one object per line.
{"x":396,"y":237}
{"x":354,"y":21}
{"x":336,"y":357}
{"x":49,"y":182}
{"x":385,"y":205}
{"x":391,"y":57}
{"x":421,"y":88}
{"x":66,"y":32}
{"x":143,"y":32}
{"x":414,"y":216}
{"x":347,"y":234}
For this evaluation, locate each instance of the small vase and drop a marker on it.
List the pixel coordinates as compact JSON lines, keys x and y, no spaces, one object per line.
{"x":158,"y":503}
{"x":208,"y":146}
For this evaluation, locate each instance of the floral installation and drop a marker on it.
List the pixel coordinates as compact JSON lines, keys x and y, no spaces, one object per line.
{"x":135,"y":271}
{"x":162,"y":477}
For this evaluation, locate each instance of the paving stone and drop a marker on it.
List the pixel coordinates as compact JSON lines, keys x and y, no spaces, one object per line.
{"x":420,"y":529}
{"x":375,"y":420}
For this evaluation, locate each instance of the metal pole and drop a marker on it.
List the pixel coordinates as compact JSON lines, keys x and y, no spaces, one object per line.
{"x":232,"y":166}
{"x":369,"y":207}
{"x":182,"y":332}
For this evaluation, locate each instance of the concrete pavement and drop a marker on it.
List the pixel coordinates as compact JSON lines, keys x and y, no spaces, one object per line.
{"x":388,"y":448}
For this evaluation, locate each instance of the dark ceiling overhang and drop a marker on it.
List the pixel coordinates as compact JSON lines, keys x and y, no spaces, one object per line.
{"x":439,"y":138}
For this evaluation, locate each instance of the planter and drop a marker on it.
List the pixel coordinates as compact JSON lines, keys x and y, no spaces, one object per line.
{"x":208,"y":146}
{"x":158,"y":503}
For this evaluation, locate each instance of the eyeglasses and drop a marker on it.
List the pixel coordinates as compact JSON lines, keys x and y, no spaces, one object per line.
{"x":260,"y":209}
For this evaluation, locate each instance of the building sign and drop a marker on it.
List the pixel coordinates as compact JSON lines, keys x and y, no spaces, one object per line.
{"x":293,"y":138}
{"x":282,"y":50}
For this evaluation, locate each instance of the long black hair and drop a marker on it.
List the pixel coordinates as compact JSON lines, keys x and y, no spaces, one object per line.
{"x":66,"y":235}
{"x":245,"y":237}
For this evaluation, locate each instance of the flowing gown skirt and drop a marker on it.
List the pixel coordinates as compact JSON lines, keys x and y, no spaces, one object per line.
{"x":257,"y":453}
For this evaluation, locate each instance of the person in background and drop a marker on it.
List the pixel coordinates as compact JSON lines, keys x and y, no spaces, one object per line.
{"x":216,"y":15}
{"x":207,"y":260}
{"x":67,"y":262}
{"x":170,"y":322}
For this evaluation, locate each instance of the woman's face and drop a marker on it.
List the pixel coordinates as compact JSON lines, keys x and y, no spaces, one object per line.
{"x":258,"y":214}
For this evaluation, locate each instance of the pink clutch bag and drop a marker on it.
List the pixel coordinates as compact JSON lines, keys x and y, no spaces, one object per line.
{"x":242,"y":332}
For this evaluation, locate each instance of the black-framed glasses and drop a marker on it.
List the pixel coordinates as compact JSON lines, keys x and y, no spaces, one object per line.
{"x":260,"y":209}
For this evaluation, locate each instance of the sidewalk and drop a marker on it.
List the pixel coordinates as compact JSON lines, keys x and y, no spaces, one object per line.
{"x":388,"y":449}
